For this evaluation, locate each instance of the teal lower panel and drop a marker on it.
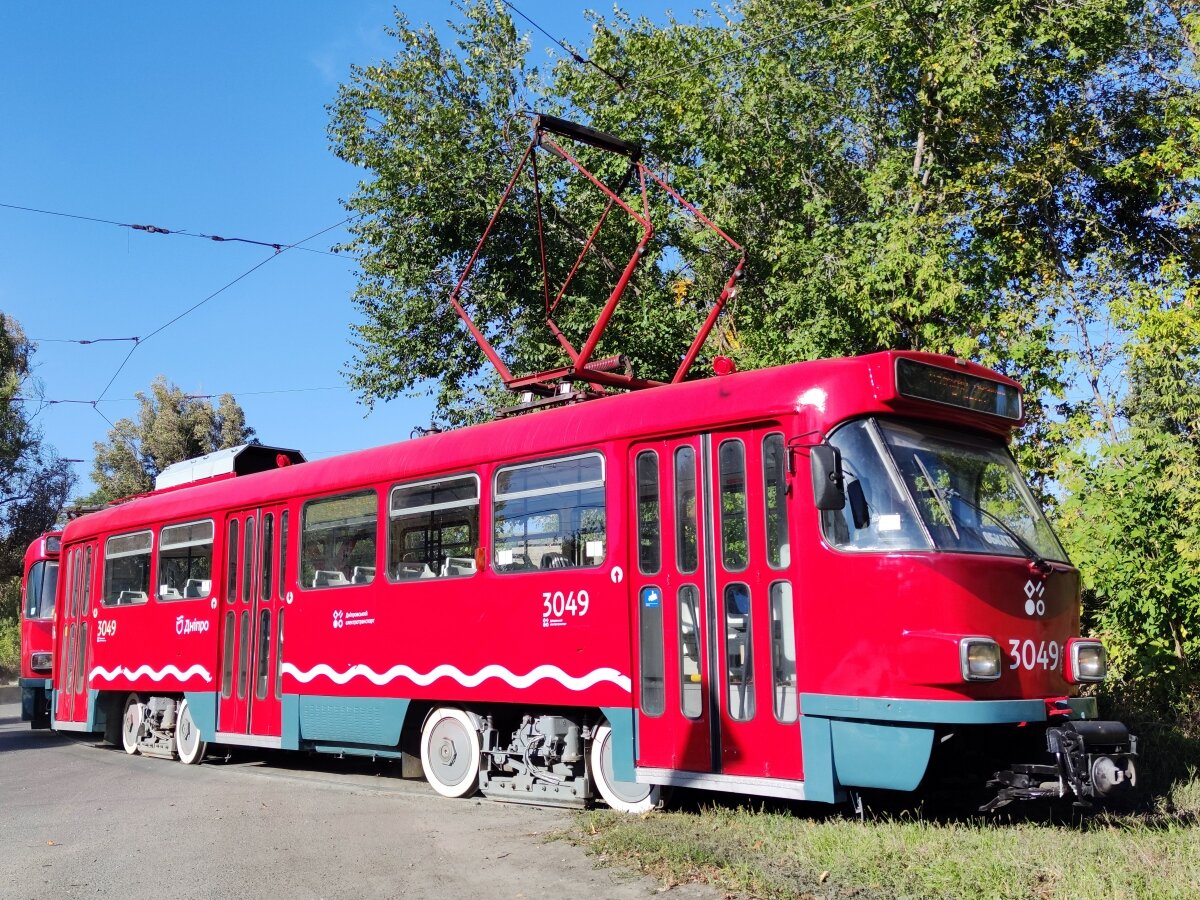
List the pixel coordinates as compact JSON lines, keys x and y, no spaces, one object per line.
{"x":96,"y":717}
{"x":820,"y":783}
{"x":934,"y":712}
{"x":870,"y":755}
{"x":203,"y":707}
{"x":374,"y":721}
{"x":290,"y":711}
{"x":620,"y":720}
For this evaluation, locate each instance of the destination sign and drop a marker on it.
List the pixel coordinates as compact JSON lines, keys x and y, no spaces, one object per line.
{"x":924,"y":382}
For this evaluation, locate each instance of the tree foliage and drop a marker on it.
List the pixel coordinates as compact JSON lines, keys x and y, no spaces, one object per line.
{"x":171,"y":426}
{"x":1010,"y":182}
{"x":34,"y":480}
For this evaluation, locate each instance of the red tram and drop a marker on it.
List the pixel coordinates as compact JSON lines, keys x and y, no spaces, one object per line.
{"x":799,"y":582}
{"x":39,"y":580}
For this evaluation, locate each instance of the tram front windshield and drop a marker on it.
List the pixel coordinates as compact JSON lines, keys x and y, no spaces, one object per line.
{"x":924,"y":487}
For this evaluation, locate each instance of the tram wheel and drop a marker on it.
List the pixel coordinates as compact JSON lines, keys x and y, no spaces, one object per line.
{"x":187,"y":737}
{"x":623,"y":796}
{"x":132,"y":723}
{"x":450,"y":750}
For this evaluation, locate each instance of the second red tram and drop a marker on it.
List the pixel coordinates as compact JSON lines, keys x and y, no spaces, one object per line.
{"x":39,"y":582}
{"x":798,"y":582}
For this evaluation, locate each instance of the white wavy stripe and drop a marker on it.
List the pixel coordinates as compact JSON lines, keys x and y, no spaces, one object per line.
{"x":153,"y":674}
{"x":447,"y":671}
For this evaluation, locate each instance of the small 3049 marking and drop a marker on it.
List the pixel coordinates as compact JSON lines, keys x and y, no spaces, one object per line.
{"x":559,"y":606}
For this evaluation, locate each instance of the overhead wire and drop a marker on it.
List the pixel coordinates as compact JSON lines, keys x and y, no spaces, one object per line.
{"x":575,"y":55}
{"x":52,"y":402}
{"x":215,"y":293}
{"x":156,"y":229}
{"x":82,"y":340}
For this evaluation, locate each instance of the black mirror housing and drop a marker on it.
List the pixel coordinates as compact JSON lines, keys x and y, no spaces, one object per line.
{"x":828,"y":488}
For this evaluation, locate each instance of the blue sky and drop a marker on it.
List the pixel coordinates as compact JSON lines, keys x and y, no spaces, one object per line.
{"x":209,"y":119}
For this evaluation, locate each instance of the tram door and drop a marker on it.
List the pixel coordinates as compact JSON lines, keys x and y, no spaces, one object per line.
{"x":726,"y":649}
{"x":252,"y":622}
{"x":675,"y":715}
{"x":72,"y":655}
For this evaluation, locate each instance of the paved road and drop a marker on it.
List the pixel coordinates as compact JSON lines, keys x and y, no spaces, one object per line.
{"x":79,"y":819}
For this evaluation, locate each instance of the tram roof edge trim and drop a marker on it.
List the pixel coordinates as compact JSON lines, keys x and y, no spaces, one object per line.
{"x":243,"y":460}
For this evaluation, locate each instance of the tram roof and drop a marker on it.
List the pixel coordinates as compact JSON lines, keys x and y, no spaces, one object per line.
{"x":827,"y":390}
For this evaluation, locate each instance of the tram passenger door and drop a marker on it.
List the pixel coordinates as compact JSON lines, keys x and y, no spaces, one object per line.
{"x":714,"y":628}
{"x":675,"y":714}
{"x":252,"y":626}
{"x":72,"y":655}
{"x":751,"y":604}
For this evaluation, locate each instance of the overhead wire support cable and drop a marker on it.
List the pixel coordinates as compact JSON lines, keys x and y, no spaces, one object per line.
{"x":157,"y":229}
{"x":84,"y":341}
{"x":215,"y":293}
{"x":567,"y":48}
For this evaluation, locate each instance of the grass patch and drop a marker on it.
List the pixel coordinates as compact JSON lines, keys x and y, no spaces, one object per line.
{"x":10,"y":649}
{"x":777,"y":851}
{"x":775,"y":855}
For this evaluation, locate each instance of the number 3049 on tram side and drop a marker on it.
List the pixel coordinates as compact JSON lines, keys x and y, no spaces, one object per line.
{"x":802,"y":582}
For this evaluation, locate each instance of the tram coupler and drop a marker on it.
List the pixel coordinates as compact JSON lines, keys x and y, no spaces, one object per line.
{"x":1092,"y":762}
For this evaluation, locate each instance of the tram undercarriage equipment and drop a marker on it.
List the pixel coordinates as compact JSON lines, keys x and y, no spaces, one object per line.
{"x":544,"y":762}
{"x":1093,"y":762}
{"x":156,"y":737}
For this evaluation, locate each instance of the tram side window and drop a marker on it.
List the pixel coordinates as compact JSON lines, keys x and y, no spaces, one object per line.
{"x":85,"y":597}
{"x":739,"y":659}
{"x":650,"y":640}
{"x":877,"y":515}
{"x":127,"y":568}
{"x":775,"y":493}
{"x":735,"y":541}
{"x":337,"y":547}
{"x":231,"y":553}
{"x":649,"y":516}
{"x":433,"y":528}
{"x":550,"y":515}
{"x":691,"y":698}
{"x":185,"y":554}
{"x":783,"y":652}
{"x":39,"y":589}
{"x":687,"y":529}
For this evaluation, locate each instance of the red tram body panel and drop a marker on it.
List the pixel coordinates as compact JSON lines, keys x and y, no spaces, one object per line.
{"x":639,"y":591}
{"x":39,"y":580}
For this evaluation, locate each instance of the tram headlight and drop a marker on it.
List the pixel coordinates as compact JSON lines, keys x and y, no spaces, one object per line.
{"x":1086,"y":661}
{"x":980,"y":659}
{"x":41,"y":662}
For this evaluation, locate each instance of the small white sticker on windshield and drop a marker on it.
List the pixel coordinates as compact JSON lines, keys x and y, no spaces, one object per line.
{"x":504,"y":557}
{"x":889,"y":522}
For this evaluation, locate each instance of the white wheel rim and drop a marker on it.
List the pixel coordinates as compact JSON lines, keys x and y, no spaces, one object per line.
{"x":131,"y":724}
{"x":623,"y":796}
{"x":450,"y":753}
{"x":187,"y":736}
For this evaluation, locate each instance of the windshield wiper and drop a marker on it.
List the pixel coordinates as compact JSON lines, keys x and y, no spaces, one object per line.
{"x":1031,"y":554}
{"x":938,"y":496}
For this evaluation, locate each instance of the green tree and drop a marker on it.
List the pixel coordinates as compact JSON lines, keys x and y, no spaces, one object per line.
{"x":437,"y":178}
{"x":34,"y":480}
{"x":919,"y":175}
{"x":1131,"y":513}
{"x":1013,"y":183}
{"x":171,"y":426}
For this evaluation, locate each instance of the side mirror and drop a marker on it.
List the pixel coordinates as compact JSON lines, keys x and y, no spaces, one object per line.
{"x":828,"y":488}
